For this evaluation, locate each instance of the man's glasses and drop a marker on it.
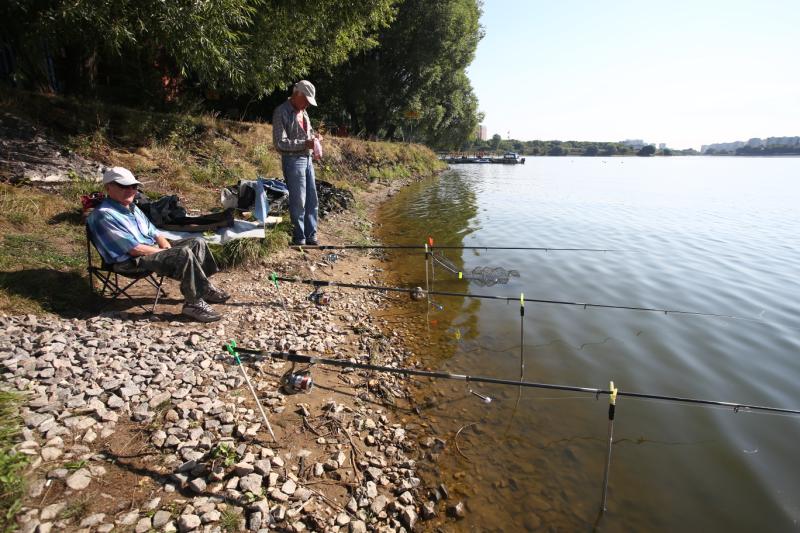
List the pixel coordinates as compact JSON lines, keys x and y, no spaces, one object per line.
{"x":133,"y":186}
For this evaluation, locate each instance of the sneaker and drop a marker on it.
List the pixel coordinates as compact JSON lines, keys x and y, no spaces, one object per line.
{"x":314,"y":242}
{"x":200,"y":311}
{"x":298,"y":243}
{"x":216,"y":296}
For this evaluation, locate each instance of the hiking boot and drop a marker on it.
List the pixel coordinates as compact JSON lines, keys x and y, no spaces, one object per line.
{"x":298,"y":243}
{"x":200,"y":311}
{"x":313,"y":242}
{"x":216,"y":296}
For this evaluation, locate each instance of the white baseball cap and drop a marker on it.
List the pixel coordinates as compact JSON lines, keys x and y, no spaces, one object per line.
{"x":120,"y":175}
{"x":307,"y":88}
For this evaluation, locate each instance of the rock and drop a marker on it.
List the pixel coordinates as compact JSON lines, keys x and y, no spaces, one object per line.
{"x":198,"y":485}
{"x":457,"y":511}
{"x":429,"y":510}
{"x":160,"y":398}
{"x":378,"y":504}
{"x":408,"y":517}
{"x":406,"y":498}
{"x":161,"y":518}
{"x":372,"y":489}
{"x":374,"y":473}
{"x":51,"y":454}
{"x":358,"y":526}
{"x":51,"y":511}
{"x":128,"y":519}
{"x":243,"y":469}
{"x":251,"y":483}
{"x":188,"y":522}
{"x":342,"y":519}
{"x":79,"y":480}
{"x":211,"y":516}
{"x":93,"y":520}
{"x":143,"y":525}
{"x":289,"y":487}
{"x":263,"y":467}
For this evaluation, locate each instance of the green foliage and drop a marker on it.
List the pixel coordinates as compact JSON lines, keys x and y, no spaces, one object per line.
{"x":225,"y":453}
{"x":75,"y":465}
{"x":646,"y":151}
{"x":248,"y":252}
{"x":12,"y":463}
{"x":231,"y":520}
{"x":232,"y":46}
{"x":414,"y":79}
{"x":75,"y":510}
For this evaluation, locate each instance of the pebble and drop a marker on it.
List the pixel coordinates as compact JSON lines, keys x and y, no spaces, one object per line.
{"x":188,"y":522}
{"x":161,"y":518}
{"x":143,"y":525}
{"x":79,"y":480}
{"x":86,"y":377}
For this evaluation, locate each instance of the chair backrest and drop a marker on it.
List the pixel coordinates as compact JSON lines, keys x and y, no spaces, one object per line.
{"x":91,"y":245}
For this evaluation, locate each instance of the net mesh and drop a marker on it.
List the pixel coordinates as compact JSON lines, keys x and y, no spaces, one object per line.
{"x":483,"y":276}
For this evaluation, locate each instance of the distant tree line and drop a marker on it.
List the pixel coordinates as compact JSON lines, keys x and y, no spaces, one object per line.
{"x":778,"y":149}
{"x":565,"y":148}
{"x":386,"y":69}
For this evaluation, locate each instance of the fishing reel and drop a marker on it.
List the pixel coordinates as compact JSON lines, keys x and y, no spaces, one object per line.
{"x":297,"y":382}
{"x":319,"y":297}
{"x":418,"y":294}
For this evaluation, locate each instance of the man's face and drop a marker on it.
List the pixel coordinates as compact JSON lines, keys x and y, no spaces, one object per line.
{"x":299,"y":101}
{"x":123,"y":194}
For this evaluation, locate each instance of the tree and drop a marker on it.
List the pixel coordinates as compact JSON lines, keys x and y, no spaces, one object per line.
{"x":495,"y":142}
{"x":419,"y":63}
{"x":646,"y":151}
{"x":230,"y":46}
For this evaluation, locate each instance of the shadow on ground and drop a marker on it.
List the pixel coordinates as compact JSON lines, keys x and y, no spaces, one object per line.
{"x":67,"y":293}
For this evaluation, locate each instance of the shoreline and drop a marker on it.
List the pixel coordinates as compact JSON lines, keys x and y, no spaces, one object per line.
{"x":143,"y":424}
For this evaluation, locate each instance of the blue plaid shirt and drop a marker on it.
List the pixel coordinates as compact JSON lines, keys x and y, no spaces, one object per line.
{"x":116,"y":230}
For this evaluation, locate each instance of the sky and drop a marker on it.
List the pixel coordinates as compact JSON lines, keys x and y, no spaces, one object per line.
{"x":681,"y":73}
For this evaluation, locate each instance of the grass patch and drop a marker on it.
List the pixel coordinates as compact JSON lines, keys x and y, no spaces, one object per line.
{"x":42,"y":243}
{"x":75,"y":465}
{"x":248,"y":252}
{"x":75,"y":510}
{"x":231,"y":520}
{"x":12,"y":464}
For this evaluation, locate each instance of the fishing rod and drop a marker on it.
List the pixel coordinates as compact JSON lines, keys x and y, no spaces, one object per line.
{"x":309,"y":359}
{"x":422,"y":247}
{"x":327,"y":283}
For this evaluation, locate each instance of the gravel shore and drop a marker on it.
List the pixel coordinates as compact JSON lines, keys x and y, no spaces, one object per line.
{"x":139,"y":423}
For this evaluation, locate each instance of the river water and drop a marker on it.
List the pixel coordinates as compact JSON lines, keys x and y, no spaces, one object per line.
{"x":717,"y":235}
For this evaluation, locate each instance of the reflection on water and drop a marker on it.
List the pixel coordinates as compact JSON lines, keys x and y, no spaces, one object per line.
{"x":714,"y":235}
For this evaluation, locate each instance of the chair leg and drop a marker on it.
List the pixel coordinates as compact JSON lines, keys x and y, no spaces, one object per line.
{"x":158,"y":294}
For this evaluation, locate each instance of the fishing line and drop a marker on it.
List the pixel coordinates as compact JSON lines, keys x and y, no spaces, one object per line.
{"x":308,"y":359}
{"x":438,"y":247}
{"x":326,"y":283}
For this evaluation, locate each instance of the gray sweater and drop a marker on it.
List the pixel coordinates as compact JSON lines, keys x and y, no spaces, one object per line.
{"x":287,"y":135}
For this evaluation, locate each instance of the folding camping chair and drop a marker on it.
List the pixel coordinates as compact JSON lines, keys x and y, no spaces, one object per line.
{"x":110,"y":279}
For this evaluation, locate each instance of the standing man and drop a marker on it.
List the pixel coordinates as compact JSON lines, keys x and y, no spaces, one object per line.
{"x":129,"y":242}
{"x":294,"y":140}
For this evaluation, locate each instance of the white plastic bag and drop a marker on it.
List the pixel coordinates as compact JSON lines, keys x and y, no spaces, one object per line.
{"x":317,"y":149}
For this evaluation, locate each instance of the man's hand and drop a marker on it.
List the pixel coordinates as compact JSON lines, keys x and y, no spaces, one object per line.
{"x":143,"y":249}
{"x":163,"y":243}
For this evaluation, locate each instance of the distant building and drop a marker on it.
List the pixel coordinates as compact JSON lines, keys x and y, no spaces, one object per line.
{"x":662,"y":146}
{"x":636,"y":144}
{"x":483,"y":133}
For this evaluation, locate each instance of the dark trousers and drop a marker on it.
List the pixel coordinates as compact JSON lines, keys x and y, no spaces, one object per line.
{"x":188,"y":261}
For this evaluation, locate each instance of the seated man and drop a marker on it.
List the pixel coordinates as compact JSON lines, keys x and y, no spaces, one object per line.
{"x":128,"y":241}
